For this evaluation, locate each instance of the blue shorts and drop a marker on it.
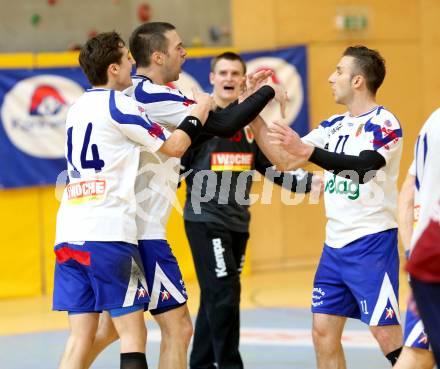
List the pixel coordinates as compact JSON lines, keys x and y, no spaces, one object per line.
{"x":360,"y":280}
{"x":164,"y":279}
{"x":414,"y":332}
{"x":94,"y":276}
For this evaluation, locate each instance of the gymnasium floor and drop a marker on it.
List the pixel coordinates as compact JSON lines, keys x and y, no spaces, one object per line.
{"x":275,"y":328}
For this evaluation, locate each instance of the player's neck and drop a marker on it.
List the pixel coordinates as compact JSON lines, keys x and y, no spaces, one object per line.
{"x":152,"y":74}
{"x":361,"y":106}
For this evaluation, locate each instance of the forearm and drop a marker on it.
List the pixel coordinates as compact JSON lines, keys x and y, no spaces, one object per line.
{"x":201,"y":111}
{"x":228,"y":121}
{"x":276,"y":155}
{"x":361,"y":168}
{"x":405,"y":211}
{"x":176,"y":144}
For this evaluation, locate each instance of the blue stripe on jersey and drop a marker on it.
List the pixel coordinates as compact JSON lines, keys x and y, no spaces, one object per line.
{"x":153,"y":128}
{"x":327,"y":123}
{"x":380,"y":141}
{"x":425,"y":148}
{"x":417,"y":182}
{"x":147,"y":98}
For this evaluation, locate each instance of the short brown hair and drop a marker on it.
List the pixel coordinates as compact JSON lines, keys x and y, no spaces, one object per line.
{"x":370,"y":64}
{"x":229,"y":55}
{"x":148,"y":38}
{"x":98,"y":53}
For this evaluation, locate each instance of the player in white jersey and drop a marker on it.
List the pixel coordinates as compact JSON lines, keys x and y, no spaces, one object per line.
{"x":96,"y":225}
{"x":415,"y":353}
{"x":359,"y":268}
{"x":424,"y":260}
{"x":159,"y":54}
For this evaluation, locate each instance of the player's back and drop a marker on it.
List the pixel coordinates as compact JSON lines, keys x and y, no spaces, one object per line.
{"x":102,"y":152}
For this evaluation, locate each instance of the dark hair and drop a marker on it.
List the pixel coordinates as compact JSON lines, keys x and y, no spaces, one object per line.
{"x":98,"y":53}
{"x":148,"y":38}
{"x":228,"y":55}
{"x":370,"y":64}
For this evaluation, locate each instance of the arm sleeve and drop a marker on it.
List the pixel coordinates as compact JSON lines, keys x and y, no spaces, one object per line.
{"x":365,"y":165}
{"x":226,"y":122}
{"x":134,"y":124}
{"x":298,"y":181}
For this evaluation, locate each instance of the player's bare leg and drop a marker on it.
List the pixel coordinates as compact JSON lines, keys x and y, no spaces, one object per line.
{"x":176,"y":330}
{"x":389,"y":337}
{"x":415,"y":358}
{"x":105,"y":335}
{"x":82,"y":333}
{"x":133,"y":339}
{"x":327,"y":334}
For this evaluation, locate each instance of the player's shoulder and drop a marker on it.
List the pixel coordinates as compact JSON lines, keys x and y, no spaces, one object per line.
{"x":384,"y":117}
{"x":334,"y":119}
{"x":433,"y":122}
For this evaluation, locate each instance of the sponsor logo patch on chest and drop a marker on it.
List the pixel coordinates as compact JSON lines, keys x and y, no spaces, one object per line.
{"x":235,"y":161}
{"x":85,"y":191}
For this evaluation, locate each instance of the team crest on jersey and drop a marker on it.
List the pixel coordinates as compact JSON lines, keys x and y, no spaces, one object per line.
{"x":359,"y":130}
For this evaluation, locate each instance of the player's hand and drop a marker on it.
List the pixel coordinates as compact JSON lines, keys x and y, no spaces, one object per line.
{"x":264,"y":78}
{"x":282,"y":135}
{"x":203,"y":98}
{"x":280,"y":97}
{"x":258,"y":79}
{"x":253,"y":82}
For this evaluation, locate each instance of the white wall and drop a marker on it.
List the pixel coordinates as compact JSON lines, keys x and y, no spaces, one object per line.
{"x":69,"y":21}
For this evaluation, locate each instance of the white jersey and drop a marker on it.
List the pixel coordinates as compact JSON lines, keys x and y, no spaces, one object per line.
{"x":356,"y":210}
{"x":426,"y":170}
{"x":158,"y":174}
{"x":105,"y":132}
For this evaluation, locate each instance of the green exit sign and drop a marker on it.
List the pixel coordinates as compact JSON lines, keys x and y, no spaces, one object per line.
{"x":352,"y":22}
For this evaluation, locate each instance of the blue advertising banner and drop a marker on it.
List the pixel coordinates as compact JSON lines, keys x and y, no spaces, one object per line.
{"x":34,"y":103}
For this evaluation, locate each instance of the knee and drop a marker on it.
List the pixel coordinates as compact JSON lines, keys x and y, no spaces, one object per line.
{"x":388,"y":335}
{"x":186,"y":331}
{"x":324,"y":338}
{"x":134,"y":337}
{"x":80,"y":342}
{"x":180,"y":333}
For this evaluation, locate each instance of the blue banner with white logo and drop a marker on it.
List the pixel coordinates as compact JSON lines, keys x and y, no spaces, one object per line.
{"x":34,"y":104}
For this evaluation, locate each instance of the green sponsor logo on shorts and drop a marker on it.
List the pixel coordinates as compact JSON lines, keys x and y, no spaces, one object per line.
{"x":342,"y":186}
